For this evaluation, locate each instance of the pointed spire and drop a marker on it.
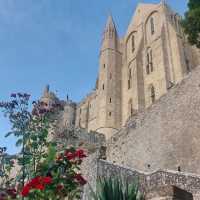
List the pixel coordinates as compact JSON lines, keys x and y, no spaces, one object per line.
{"x":46,"y":89}
{"x":110,"y":25}
{"x":110,"y":34}
{"x":110,"y":29}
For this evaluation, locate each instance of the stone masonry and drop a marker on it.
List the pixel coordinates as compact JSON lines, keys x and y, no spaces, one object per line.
{"x":134,"y":71}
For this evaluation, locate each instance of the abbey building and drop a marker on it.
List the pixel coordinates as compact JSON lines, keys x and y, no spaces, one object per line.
{"x":134,"y":71}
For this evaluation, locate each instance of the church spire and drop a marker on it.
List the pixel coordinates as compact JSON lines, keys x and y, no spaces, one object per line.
{"x":110,"y":35}
{"x":110,"y":25}
{"x":46,"y":90}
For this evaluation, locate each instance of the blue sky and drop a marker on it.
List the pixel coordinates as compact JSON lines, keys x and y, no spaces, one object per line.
{"x":56,"y":42}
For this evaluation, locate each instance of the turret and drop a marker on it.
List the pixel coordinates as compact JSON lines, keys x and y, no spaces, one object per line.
{"x":49,"y":97}
{"x":109,"y":84}
{"x":110,"y":36}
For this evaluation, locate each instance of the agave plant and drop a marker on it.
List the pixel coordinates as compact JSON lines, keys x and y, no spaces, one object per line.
{"x":115,"y":189}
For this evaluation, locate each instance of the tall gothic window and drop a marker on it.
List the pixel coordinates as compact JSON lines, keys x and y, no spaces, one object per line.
{"x":151,"y":60}
{"x":133,"y":43}
{"x":129,"y":79}
{"x":152,"y":25}
{"x":149,"y":67}
{"x":152,"y":94}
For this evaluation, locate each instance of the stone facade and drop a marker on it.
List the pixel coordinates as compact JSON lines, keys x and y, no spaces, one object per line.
{"x":146,"y":103}
{"x":135,"y":70}
{"x":166,"y":135}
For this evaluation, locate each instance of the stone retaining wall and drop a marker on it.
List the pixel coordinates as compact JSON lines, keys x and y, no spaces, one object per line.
{"x":149,"y":181}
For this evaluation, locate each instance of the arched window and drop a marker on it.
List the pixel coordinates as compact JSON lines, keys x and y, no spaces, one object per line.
{"x":149,"y":67}
{"x":103,"y":86}
{"x":129,"y":78}
{"x":152,"y":94}
{"x":133,"y":43}
{"x":110,"y":100}
{"x":152,"y":25}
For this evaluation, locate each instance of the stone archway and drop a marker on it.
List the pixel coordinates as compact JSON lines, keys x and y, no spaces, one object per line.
{"x":168,"y":193}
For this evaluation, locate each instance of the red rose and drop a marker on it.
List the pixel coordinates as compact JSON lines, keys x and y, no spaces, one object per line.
{"x":47,"y":180}
{"x":80,"y":179}
{"x":70,"y":155}
{"x":34,"y":181}
{"x":39,"y":187}
{"x":80,"y":153}
{"x":25,"y":191}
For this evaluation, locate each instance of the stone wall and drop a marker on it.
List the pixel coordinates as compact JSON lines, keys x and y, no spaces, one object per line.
{"x":80,"y":138}
{"x":165,"y":136}
{"x":148,"y":181}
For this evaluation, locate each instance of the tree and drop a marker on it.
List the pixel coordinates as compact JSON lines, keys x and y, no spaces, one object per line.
{"x":191,"y":22}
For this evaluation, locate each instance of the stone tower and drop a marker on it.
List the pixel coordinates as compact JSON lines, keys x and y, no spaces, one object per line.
{"x":109,"y":82}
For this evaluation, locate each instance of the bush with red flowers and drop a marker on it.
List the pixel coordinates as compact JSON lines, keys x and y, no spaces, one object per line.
{"x":59,"y":177}
{"x":45,"y":173}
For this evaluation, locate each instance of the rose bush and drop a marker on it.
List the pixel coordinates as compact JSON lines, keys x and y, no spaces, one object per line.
{"x":45,"y":173}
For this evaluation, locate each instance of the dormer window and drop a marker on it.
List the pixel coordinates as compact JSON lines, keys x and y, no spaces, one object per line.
{"x":152,"y":26}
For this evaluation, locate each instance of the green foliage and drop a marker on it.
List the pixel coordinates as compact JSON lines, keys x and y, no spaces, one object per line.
{"x":191,"y":22}
{"x":44,"y":173}
{"x":62,"y":172}
{"x":115,"y":189}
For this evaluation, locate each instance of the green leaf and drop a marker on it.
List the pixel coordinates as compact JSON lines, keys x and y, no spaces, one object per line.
{"x":19,"y":142}
{"x":8,"y":134}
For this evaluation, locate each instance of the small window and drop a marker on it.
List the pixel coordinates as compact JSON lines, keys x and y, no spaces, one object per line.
{"x":110,"y":114}
{"x":103,"y":86}
{"x":80,"y":110}
{"x":104,"y":66}
{"x":133,"y":43}
{"x":129,"y":84}
{"x":149,"y":66}
{"x":147,"y":69}
{"x":152,"y":94}
{"x":110,"y":100}
{"x":148,"y":61}
{"x":130,"y":74}
{"x":129,"y":79}
{"x":130,"y":108}
{"x":152,"y":25}
{"x":110,"y":75}
{"x":151,"y":60}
